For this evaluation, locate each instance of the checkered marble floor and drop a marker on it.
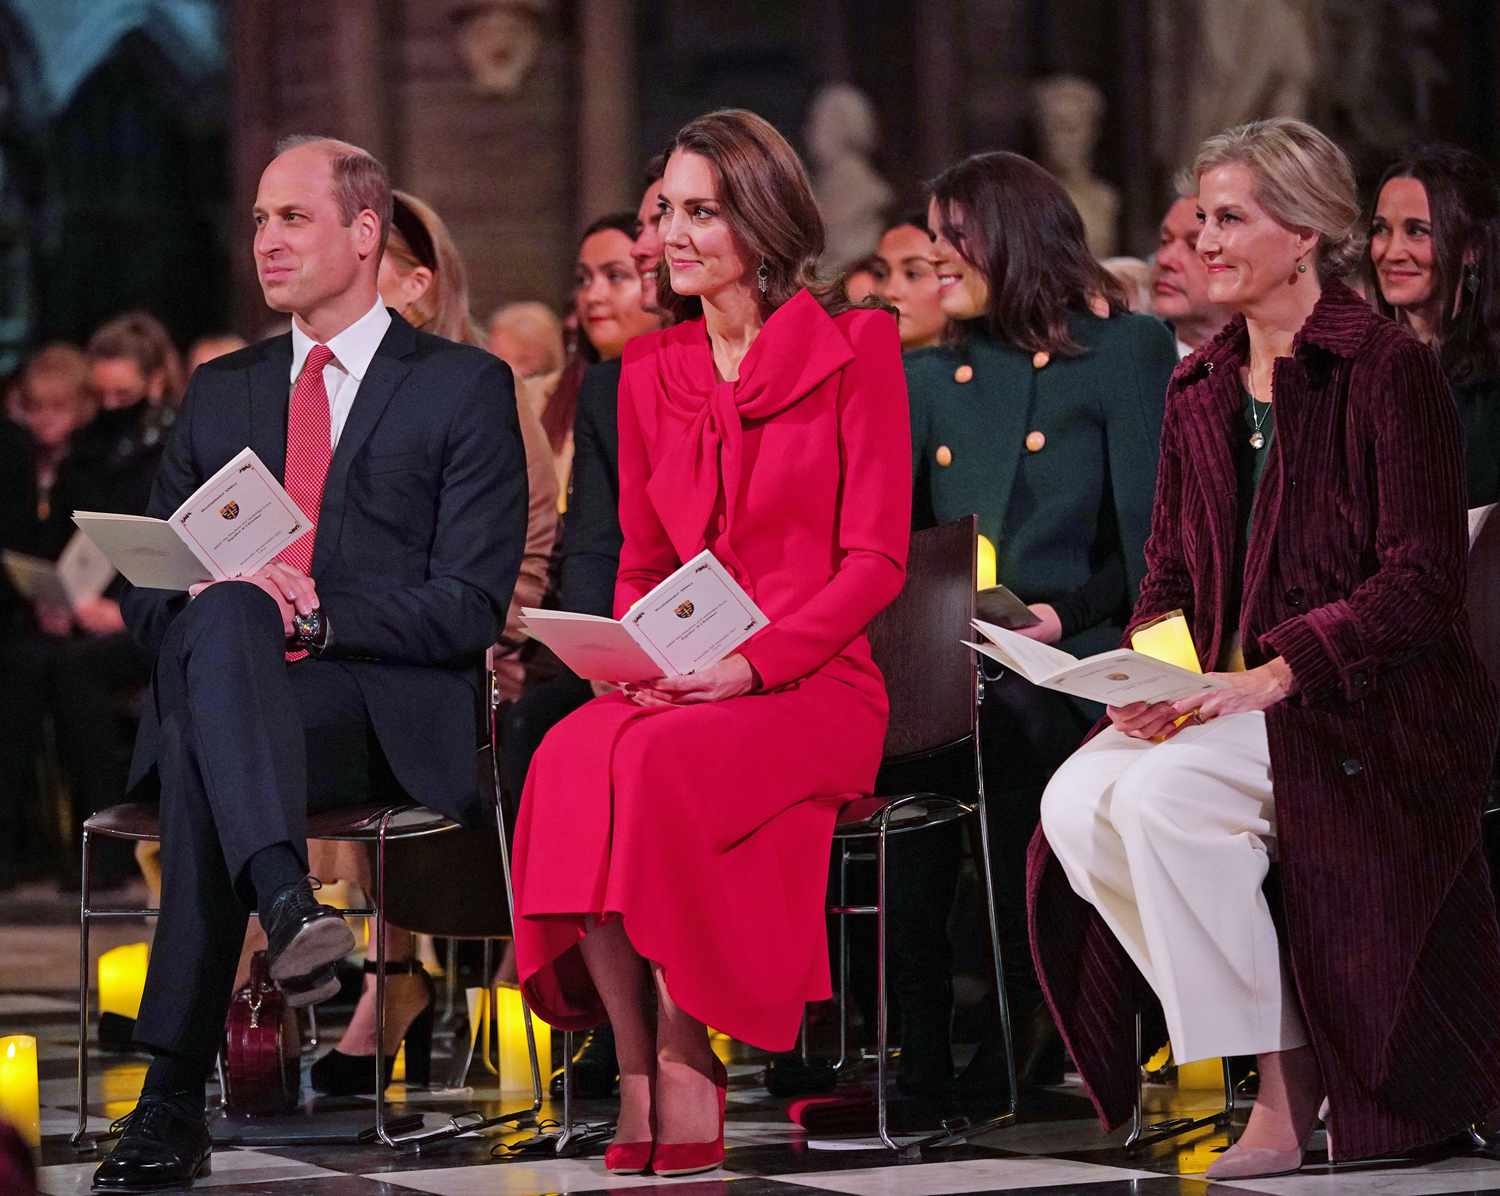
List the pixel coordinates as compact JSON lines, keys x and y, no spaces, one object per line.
{"x":1056,"y":1147}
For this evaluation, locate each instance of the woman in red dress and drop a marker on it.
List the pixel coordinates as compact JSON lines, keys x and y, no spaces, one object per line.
{"x":677,"y":832}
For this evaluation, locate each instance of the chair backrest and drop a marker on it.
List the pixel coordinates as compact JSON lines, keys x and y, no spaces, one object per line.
{"x":1482,"y":601}
{"x":450,"y":884}
{"x":917,"y":642}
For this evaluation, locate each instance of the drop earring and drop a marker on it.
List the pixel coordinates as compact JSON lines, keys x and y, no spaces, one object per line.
{"x":1471,"y":278}
{"x":763,"y":276}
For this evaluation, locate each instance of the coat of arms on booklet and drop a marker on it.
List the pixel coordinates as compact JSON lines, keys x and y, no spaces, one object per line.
{"x":693,"y":619}
{"x":1115,"y":678}
{"x":234,"y":523}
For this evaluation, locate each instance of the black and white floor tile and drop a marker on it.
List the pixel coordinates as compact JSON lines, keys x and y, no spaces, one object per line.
{"x":1056,"y":1148}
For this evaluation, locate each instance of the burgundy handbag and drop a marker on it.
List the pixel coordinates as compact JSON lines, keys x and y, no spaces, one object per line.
{"x":261,"y":1047}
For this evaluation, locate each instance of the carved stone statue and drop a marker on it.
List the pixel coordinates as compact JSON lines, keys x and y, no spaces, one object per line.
{"x":500,"y":41}
{"x":841,"y":134}
{"x":1224,"y":62}
{"x":1069,"y":112}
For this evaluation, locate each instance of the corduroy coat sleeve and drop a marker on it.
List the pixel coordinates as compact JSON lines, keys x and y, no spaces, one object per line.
{"x":1416,"y":591}
{"x":1133,"y":435}
{"x":1168,"y":584}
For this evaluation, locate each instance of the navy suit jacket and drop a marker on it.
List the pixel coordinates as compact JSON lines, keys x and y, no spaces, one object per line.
{"x":418,"y":544}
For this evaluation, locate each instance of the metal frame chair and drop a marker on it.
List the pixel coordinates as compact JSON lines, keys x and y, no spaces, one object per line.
{"x":379,"y":824}
{"x":935,"y":692}
{"x":1144,"y":1134}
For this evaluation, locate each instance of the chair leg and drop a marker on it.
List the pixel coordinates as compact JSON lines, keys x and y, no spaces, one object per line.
{"x":510,"y":897}
{"x":379,"y":932}
{"x":843,"y":961}
{"x":882,"y":1011}
{"x":1002,"y":1000}
{"x":1144,"y":1134}
{"x":79,"y":1138}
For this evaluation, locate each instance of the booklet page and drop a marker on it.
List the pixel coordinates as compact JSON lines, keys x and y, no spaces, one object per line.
{"x":696,"y":617}
{"x":240,"y":518}
{"x":596,"y":649}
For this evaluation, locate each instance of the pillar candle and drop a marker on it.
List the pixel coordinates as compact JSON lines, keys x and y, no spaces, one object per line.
{"x":122,"y":979}
{"x":987,"y":571}
{"x":515,"y":1060}
{"x":19,"y":1102}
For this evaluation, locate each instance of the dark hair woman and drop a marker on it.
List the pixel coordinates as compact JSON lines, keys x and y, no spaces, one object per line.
{"x":1309,"y":524}
{"x":607,"y":308}
{"x":1041,"y":415}
{"x":769,"y":427}
{"x":1434,"y":265}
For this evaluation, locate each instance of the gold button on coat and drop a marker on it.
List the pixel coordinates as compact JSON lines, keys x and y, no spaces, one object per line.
{"x":944,"y":455}
{"x":1035,"y":442}
{"x":1040,"y":358}
{"x":964,"y":373}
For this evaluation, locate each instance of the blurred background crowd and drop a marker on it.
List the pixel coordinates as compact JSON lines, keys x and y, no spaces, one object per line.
{"x":132,"y":133}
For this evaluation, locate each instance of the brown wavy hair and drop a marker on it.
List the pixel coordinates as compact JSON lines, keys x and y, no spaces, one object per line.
{"x":769,"y":206}
{"x":1013,"y":222}
{"x":1463,"y":198}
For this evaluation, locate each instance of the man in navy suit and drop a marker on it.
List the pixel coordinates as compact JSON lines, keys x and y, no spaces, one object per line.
{"x":346,"y":668}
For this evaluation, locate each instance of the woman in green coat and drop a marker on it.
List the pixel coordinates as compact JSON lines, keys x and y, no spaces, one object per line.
{"x":1041,"y":416}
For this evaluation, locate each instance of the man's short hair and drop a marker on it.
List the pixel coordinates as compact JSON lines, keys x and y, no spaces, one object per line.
{"x":360,"y":180}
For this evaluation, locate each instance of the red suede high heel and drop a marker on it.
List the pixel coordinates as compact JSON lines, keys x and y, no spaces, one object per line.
{"x":632,"y":1158}
{"x":628,"y":1158}
{"x":688,"y":1158}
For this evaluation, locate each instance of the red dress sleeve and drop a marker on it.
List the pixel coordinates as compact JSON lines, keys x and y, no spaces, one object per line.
{"x":647,"y":556}
{"x":873,"y":515}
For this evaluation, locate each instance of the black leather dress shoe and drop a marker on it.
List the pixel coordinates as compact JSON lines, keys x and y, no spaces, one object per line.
{"x":161,"y":1146}
{"x":304,"y":938}
{"x":596,"y":1070}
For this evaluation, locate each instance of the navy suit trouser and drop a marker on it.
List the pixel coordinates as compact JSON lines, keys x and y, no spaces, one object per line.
{"x":249,"y":744}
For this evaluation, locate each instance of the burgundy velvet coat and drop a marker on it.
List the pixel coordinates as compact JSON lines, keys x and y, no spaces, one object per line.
{"x":1355,"y":575}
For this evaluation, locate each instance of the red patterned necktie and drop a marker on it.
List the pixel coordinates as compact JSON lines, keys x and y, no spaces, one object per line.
{"x":309,"y":448}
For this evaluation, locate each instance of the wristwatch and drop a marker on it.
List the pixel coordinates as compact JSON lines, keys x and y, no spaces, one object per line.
{"x":311,"y":631}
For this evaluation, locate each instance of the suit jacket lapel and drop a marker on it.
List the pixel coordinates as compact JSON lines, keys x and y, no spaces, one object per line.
{"x":381,"y":380}
{"x":270,"y":395}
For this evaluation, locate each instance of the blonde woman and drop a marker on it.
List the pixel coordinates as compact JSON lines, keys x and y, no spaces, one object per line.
{"x":1309,"y":521}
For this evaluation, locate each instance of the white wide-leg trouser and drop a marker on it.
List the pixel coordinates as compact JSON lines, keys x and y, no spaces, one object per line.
{"x":1170,"y":843}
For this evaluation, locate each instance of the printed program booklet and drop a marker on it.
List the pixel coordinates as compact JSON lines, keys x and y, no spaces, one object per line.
{"x":1115,"y":678}
{"x":79,"y":575}
{"x":693,"y":619}
{"x":234,"y":523}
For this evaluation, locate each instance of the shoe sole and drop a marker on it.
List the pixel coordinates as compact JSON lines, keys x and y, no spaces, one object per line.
{"x":317,"y":945}
{"x":204,"y":1168}
{"x":687,"y":1170}
{"x":300,"y":998}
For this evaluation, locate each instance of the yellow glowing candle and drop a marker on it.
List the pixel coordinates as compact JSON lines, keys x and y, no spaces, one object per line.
{"x":1167,"y":638}
{"x":122,"y":979}
{"x":515,"y":1060}
{"x":988,"y":570}
{"x":20,"y":1103}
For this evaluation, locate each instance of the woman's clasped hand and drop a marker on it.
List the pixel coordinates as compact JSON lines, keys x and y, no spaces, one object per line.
{"x":1239,"y":693}
{"x":730,"y":678}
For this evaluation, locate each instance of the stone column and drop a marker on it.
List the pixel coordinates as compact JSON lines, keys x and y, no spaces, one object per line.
{"x":609,"y":164}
